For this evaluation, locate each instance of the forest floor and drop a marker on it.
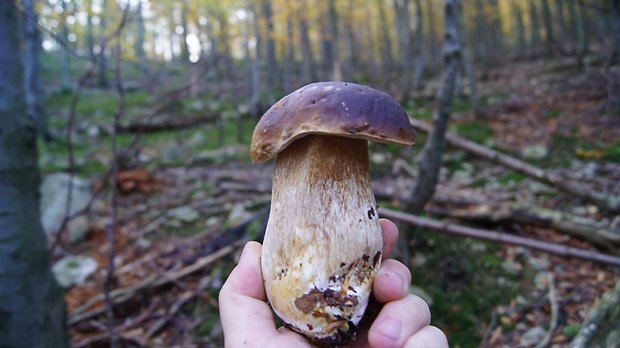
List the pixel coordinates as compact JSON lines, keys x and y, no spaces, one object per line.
{"x":190,"y":197}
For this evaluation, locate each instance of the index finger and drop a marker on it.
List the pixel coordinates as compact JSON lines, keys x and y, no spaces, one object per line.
{"x":245,"y":315}
{"x":390,"y":236}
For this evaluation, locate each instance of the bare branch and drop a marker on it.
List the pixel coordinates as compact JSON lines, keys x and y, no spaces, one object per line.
{"x":497,"y":237}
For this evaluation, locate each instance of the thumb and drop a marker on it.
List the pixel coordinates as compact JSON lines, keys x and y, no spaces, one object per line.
{"x":246,"y":317}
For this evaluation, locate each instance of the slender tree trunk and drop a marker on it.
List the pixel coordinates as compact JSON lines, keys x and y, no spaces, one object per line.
{"x":419,"y":44}
{"x":615,"y":25}
{"x":140,"y":39}
{"x":308,"y":69}
{"x":521,"y":41}
{"x":480,"y":43}
{"x":103,"y":64}
{"x":430,"y":164}
{"x":387,"y":59}
{"x":549,"y":39}
{"x":401,"y":8}
{"x":32,"y":83}
{"x":224,"y":41}
{"x":255,"y":97}
{"x":290,"y":56}
{"x":433,"y":51}
{"x":32,"y":310}
{"x":272,"y":63}
{"x":534,"y":29}
{"x":466,"y":62}
{"x":90,"y":41}
{"x":183,"y":37}
{"x":560,"y":20}
{"x":336,"y":69}
{"x":64,"y":64}
{"x":578,"y":31}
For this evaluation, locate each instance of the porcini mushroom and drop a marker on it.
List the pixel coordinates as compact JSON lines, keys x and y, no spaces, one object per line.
{"x":323,"y":241}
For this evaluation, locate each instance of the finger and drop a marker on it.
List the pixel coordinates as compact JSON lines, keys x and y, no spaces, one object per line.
{"x":244,"y":313}
{"x":428,"y":337}
{"x":398,"y":320}
{"x":289,"y":338}
{"x":390,"y":236}
{"x":392,"y":281}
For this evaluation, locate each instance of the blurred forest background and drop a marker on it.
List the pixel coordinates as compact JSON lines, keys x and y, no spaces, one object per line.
{"x":144,"y":111}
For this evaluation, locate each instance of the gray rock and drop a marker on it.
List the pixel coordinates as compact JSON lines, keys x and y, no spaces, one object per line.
{"x":74,"y":269}
{"x":512,"y":267}
{"x":184,"y":214}
{"x":532,"y":336}
{"x":535,"y":152}
{"x":54,"y":191}
{"x":539,"y":263}
{"x":77,"y":229}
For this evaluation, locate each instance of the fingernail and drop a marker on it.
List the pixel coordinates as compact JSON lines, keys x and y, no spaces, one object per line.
{"x":399,"y":279}
{"x":390,"y":328}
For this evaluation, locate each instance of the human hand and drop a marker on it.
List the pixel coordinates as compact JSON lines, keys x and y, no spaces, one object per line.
{"x":404,"y":320}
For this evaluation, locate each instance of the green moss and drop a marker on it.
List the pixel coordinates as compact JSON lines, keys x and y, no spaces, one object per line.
{"x":457,"y":271}
{"x":512,"y":178}
{"x":478,"y":132}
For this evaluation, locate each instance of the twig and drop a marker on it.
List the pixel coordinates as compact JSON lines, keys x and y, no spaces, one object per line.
{"x":154,"y":281}
{"x":553,"y":324}
{"x":492,"y":236}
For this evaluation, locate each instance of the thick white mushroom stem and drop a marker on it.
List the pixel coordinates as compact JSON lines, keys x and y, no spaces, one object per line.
{"x":323,"y":242}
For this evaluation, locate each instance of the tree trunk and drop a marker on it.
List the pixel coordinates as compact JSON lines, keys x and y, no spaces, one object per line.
{"x":255,"y":96}
{"x":90,"y":41}
{"x":615,"y":25}
{"x":521,"y":41}
{"x":64,"y":54}
{"x":467,"y":64}
{"x":290,"y":55}
{"x":32,"y":310}
{"x":272,"y":64}
{"x":401,"y":8}
{"x":387,"y":60}
{"x":578,"y":31}
{"x":549,"y":40}
{"x":432,"y":45}
{"x":430,"y":164}
{"x":32,"y":83}
{"x":140,"y":39}
{"x":183,"y":37}
{"x":480,"y":43}
{"x":419,"y":46}
{"x":534,"y":29}
{"x":336,"y":72}
{"x":560,"y":19}
{"x":103,"y":64}
{"x":308,"y":69}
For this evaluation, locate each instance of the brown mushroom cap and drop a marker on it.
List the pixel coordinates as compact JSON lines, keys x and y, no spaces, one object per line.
{"x":332,"y":108}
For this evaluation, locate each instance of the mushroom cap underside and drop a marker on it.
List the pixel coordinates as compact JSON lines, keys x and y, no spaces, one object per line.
{"x":331,"y":108}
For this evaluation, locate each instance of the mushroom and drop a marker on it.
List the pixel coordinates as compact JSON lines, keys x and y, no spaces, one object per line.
{"x":323,"y":242}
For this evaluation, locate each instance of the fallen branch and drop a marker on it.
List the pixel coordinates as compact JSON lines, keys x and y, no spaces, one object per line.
{"x":553,"y":323}
{"x":602,"y":200}
{"x":149,"y":127}
{"x":492,"y":236}
{"x":580,"y":228}
{"x":600,"y":328}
